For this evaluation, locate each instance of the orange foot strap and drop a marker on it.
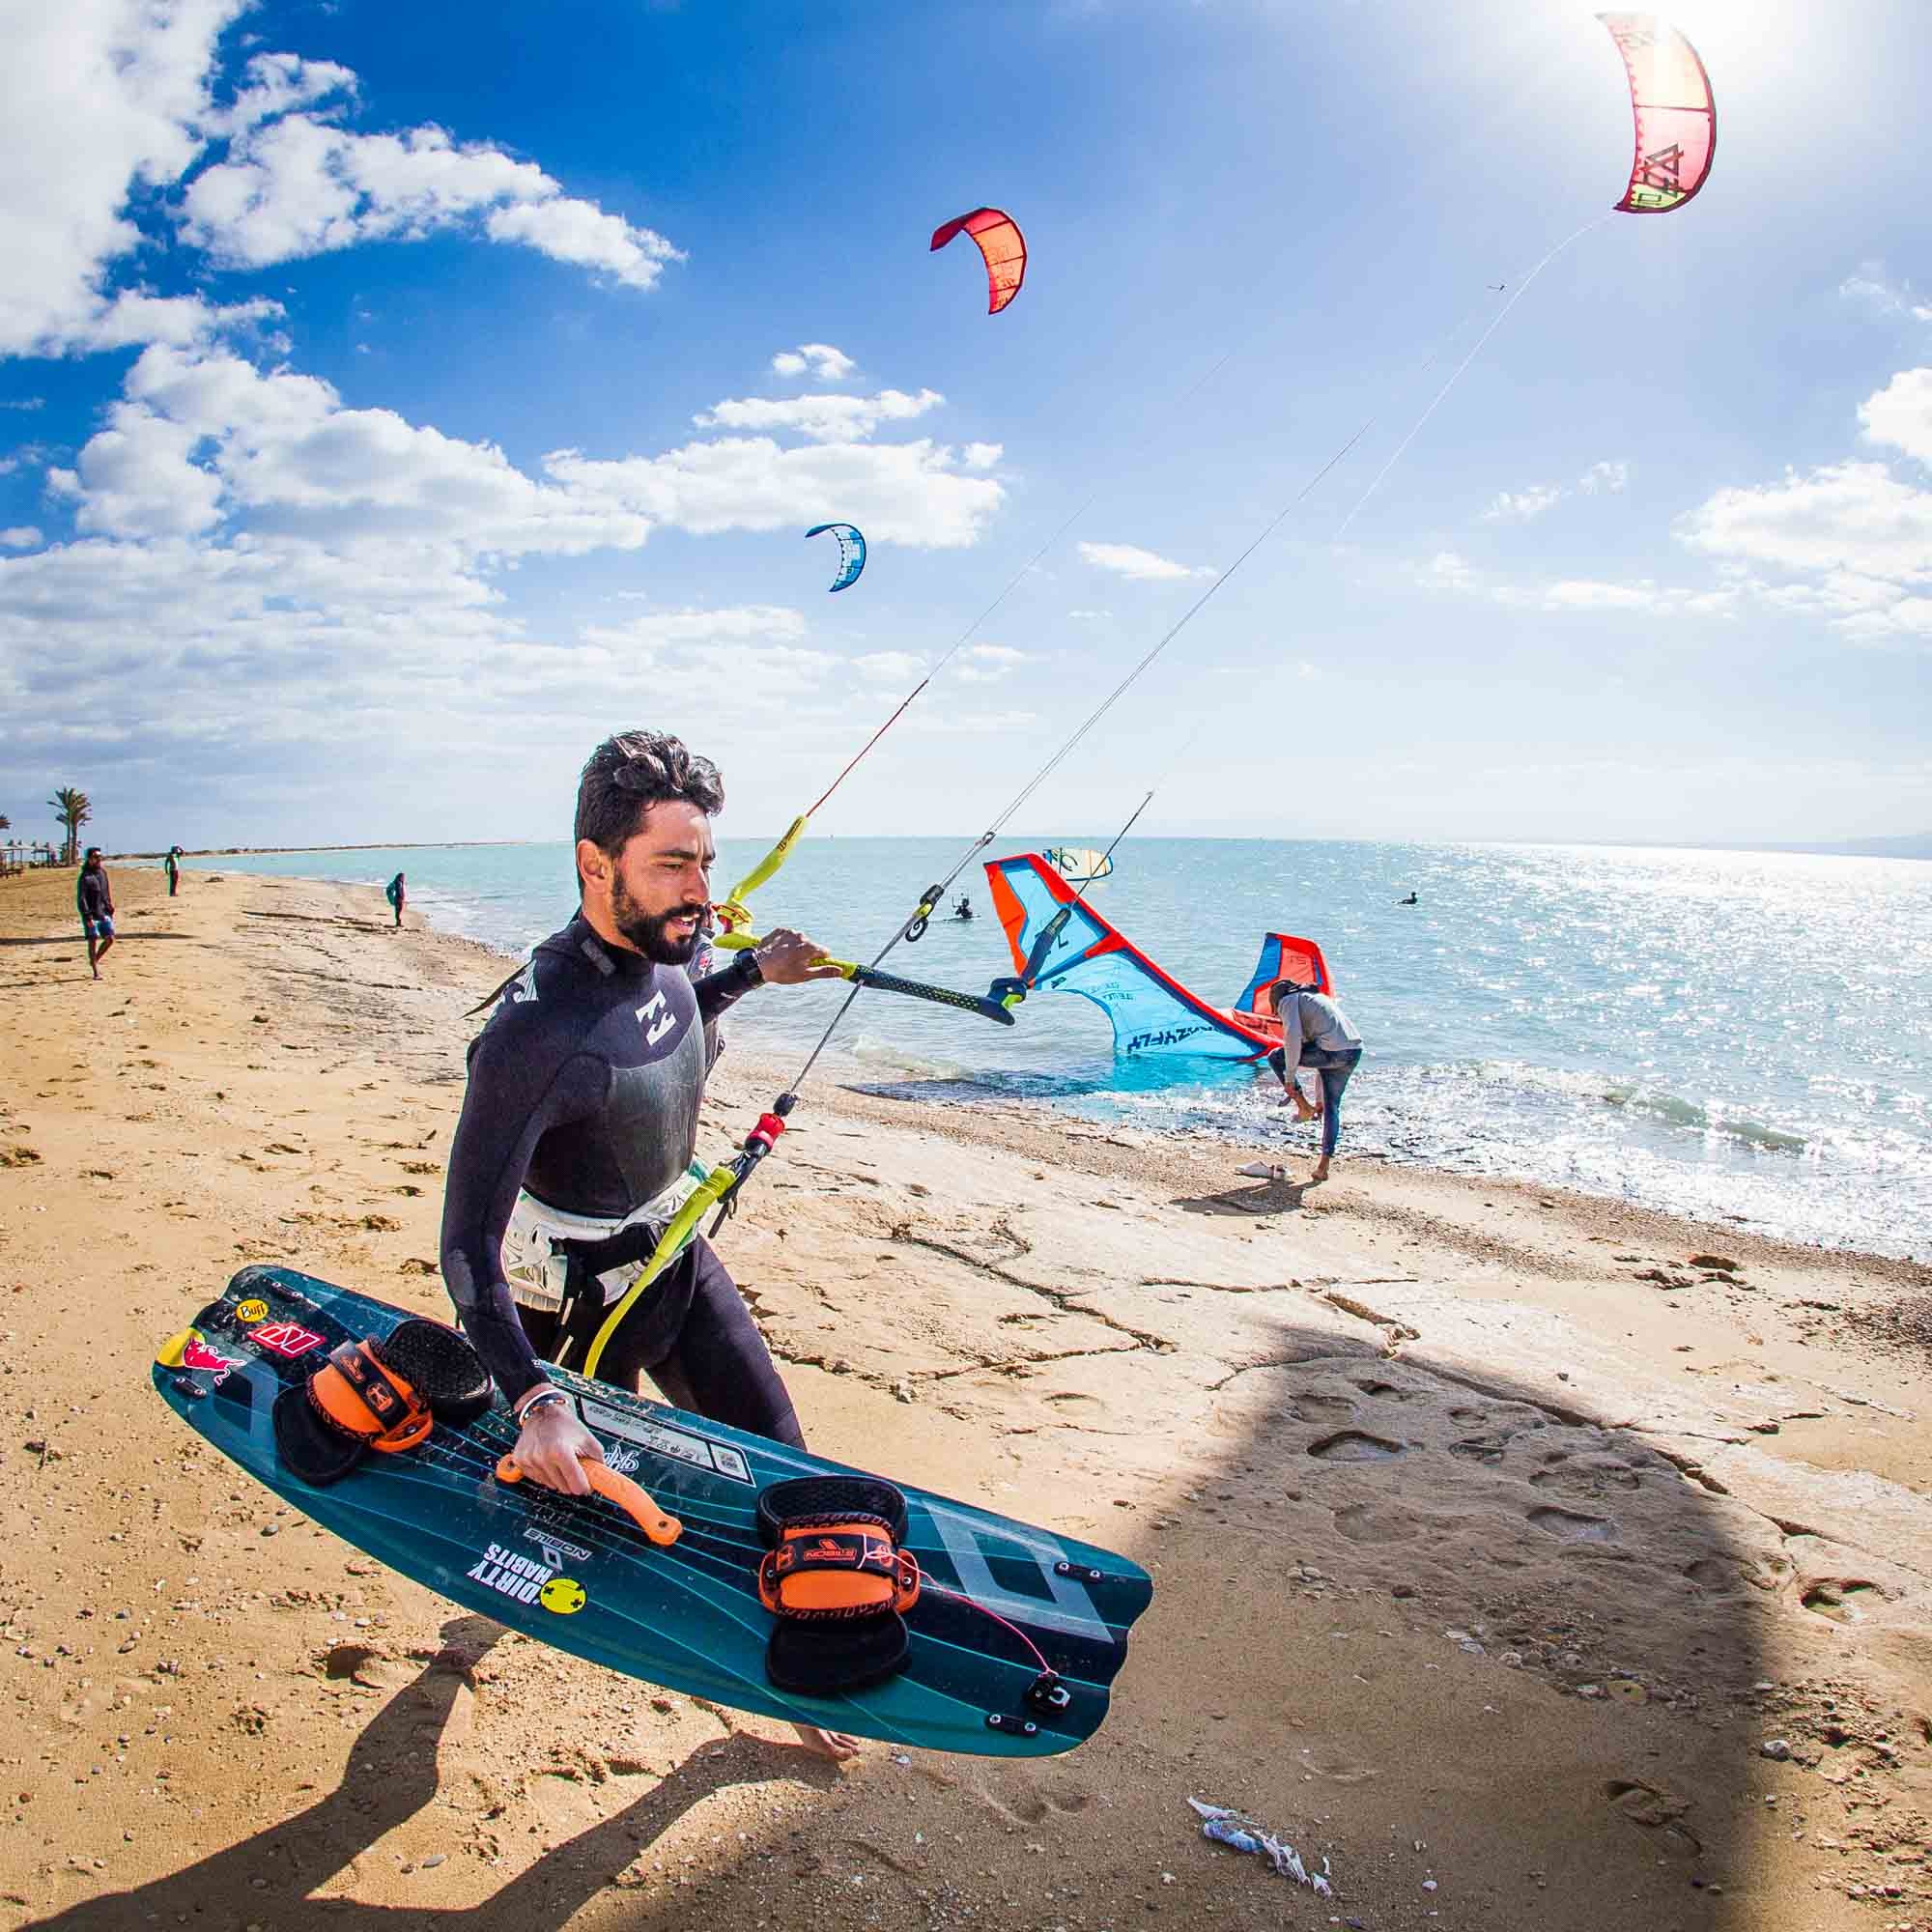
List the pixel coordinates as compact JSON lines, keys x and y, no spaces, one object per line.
{"x":662,"y":1528}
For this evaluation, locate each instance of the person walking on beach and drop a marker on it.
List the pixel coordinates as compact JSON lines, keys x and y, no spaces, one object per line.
{"x":1316,"y":1033}
{"x":93,"y":896}
{"x":393,"y":893}
{"x":574,"y":1148}
{"x":171,"y":866}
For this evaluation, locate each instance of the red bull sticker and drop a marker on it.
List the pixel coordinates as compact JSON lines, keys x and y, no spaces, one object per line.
{"x":197,"y":1354}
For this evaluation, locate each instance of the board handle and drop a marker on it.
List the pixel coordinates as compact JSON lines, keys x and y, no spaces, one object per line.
{"x":662,"y":1528}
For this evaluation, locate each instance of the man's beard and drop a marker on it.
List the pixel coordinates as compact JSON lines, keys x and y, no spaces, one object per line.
{"x":646,"y":930}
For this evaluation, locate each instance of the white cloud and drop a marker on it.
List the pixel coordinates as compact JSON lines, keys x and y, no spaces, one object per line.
{"x":987,"y":663}
{"x":890,"y":666}
{"x":824,"y":418}
{"x":1872,"y":288}
{"x":299,"y":187}
{"x":1446,"y":571}
{"x":105,"y":100}
{"x":910,"y":493}
{"x":1140,"y":566}
{"x":22,"y":537}
{"x":1853,"y":516}
{"x":1900,"y":414}
{"x":981,"y":455}
{"x":1852,"y":541}
{"x":947,"y":721}
{"x":274,"y":85}
{"x":98,"y":96}
{"x":25,"y":403}
{"x":1520,"y":506}
{"x":819,"y":359}
{"x":1088,"y":616}
{"x":661,"y":630}
{"x":136,"y":478}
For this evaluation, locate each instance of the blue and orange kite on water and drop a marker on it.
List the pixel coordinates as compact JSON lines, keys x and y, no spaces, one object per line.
{"x":1000,"y":240}
{"x":1676,"y":115}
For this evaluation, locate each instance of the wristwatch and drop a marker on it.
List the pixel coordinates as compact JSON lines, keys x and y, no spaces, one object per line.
{"x":749,"y":970}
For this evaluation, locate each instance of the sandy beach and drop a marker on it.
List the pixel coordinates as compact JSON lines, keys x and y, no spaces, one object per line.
{"x":1535,"y":1562}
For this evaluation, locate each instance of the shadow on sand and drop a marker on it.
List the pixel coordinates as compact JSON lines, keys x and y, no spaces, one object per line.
{"x":391,"y":1774}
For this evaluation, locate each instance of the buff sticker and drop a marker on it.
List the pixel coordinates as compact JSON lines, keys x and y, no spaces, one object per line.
{"x":253,"y":1310}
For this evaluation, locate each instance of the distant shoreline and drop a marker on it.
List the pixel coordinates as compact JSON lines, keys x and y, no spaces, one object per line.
{"x":368,"y":845}
{"x":1907,"y":845}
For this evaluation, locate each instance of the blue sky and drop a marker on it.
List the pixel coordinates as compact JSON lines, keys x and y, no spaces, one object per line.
{"x":392,"y":401}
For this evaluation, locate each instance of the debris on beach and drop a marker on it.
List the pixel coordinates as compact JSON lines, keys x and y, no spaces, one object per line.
{"x":1242,"y":1833}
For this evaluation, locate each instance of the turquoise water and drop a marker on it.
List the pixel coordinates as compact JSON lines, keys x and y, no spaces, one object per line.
{"x":1728,"y":1035}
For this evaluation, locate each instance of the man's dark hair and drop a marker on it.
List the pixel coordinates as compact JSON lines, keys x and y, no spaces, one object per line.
{"x":627,"y":775}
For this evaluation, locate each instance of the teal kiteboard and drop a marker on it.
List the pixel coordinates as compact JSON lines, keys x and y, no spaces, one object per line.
{"x":1016,"y":1635}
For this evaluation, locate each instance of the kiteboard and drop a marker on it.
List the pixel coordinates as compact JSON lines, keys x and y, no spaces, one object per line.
{"x":1015,"y":1636}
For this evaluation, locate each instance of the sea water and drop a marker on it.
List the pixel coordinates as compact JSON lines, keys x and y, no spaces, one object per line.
{"x":1733,"y":1036}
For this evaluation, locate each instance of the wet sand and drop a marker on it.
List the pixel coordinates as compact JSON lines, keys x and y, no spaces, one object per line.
{"x":1495,"y":1537}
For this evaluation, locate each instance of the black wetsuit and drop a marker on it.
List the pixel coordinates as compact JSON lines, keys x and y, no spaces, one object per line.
{"x":585,"y":1088}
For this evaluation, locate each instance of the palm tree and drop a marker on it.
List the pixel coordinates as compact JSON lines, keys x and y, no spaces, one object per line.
{"x":73,"y":809}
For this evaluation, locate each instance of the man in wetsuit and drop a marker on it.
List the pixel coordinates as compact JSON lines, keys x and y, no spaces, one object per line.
{"x":171,"y":866}
{"x":94,"y":898}
{"x":579,"y":1124}
{"x":394,"y":893}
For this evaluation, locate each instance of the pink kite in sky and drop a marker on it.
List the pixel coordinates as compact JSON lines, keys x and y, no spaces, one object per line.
{"x":1676,"y":116}
{"x":1001,"y":242}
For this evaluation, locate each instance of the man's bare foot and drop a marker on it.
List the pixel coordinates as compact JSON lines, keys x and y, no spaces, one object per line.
{"x":833,"y":1744}
{"x":1320,"y":1171}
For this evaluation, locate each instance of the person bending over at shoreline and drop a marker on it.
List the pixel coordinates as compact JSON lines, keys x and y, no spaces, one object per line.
{"x":1316,"y":1033}
{"x":394,"y":893}
{"x":94,"y":898}
{"x":575,"y":1144}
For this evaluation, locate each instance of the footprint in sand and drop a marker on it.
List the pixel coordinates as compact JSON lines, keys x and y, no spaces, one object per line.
{"x":1032,"y":1808}
{"x":1362,"y":1524}
{"x":1586,"y":1476}
{"x":1716,"y":1578}
{"x":1352,"y":1445}
{"x":1837,"y":1598}
{"x":1391,"y":1391}
{"x":1655,"y":1811}
{"x":1574,"y":1528}
{"x":1321,"y":1408}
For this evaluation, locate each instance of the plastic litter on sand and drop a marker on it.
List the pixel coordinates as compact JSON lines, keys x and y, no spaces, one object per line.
{"x":1242,"y":1833}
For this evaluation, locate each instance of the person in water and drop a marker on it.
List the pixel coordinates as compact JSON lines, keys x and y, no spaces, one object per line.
{"x":574,"y":1147}
{"x":394,"y":893}
{"x":93,"y":899}
{"x":1411,"y":899}
{"x":171,"y":866}
{"x":1316,"y":1033}
{"x":964,"y":909}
